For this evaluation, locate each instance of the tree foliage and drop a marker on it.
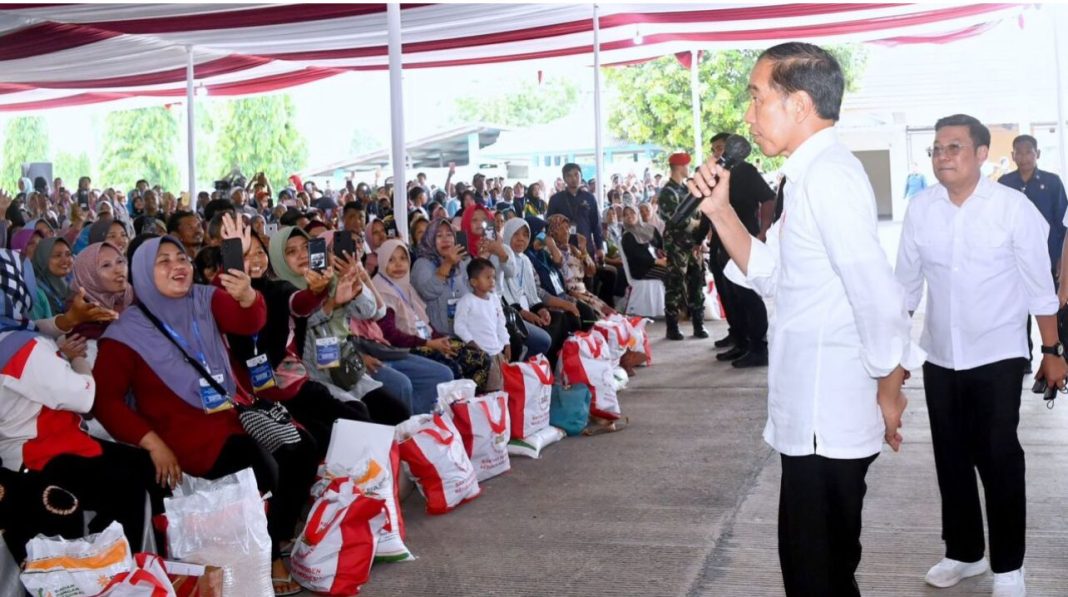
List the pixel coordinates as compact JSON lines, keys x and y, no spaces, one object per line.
{"x":25,"y":140}
{"x":140,"y":144}
{"x":70,"y":166}
{"x":652,"y":100}
{"x":530,"y":104}
{"x":260,"y":134}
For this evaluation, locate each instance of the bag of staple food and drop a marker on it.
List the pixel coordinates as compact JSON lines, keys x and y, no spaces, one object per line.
{"x":431,"y":448}
{"x":147,"y":579}
{"x":484,"y":427}
{"x":334,"y":552}
{"x":351,"y":444}
{"x":529,"y":386}
{"x":532,"y":445}
{"x":222,"y":523}
{"x":76,"y":567}
{"x":451,"y":391}
{"x":619,"y":375}
{"x":617,"y":333}
{"x":641,"y":337}
{"x":569,"y":408}
{"x":585,"y":360}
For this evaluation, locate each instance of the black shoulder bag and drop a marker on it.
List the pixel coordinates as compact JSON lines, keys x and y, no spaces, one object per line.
{"x":269,"y":423}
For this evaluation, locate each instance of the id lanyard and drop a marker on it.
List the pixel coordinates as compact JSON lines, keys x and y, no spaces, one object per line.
{"x":404,"y":297}
{"x":181,"y":341}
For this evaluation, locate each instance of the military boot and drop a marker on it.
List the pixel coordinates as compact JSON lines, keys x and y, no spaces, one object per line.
{"x":698,"y":325}
{"x":673,"y":332}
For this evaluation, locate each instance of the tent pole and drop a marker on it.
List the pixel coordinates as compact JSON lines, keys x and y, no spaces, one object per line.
{"x":695,"y":102}
{"x":396,"y":117}
{"x":1062,"y":135}
{"x":598,"y":130}
{"x":190,"y":129}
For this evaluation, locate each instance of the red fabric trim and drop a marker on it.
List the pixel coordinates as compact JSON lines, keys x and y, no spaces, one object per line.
{"x":58,"y":433}
{"x":943,"y":38}
{"x":221,"y":66}
{"x":47,"y":38}
{"x":243,"y":18}
{"x":17,"y":364}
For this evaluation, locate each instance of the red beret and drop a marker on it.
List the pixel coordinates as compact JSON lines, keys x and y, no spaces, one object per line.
{"x":679,"y":159}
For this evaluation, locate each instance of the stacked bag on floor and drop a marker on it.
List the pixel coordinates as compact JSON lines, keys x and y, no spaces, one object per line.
{"x":529,"y":386}
{"x":586,"y":359}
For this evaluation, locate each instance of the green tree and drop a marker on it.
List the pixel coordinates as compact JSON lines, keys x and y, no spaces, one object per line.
{"x":140,"y":144}
{"x":653,"y":99}
{"x":260,"y":134}
{"x":25,"y":140}
{"x":530,"y":104}
{"x":70,"y":167}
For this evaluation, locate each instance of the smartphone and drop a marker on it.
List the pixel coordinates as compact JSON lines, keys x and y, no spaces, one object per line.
{"x":461,"y":239}
{"x":489,"y":230}
{"x":233,"y":255}
{"x":344,"y":243}
{"x":317,"y":254}
{"x":572,"y":240}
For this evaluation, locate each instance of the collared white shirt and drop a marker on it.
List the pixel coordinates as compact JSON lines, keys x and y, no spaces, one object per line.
{"x":840,"y":319}
{"x":986,"y":265}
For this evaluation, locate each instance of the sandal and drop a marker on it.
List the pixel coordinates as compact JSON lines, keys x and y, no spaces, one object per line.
{"x":288,"y":580}
{"x":606,"y":427}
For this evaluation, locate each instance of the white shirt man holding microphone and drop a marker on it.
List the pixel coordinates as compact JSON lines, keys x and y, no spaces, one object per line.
{"x":840,"y":346}
{"x":981,"y":247}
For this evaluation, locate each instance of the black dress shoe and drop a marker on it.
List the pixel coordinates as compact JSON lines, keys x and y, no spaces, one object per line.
{"x":725,"y":341}
{"x":751,"y":359}
{"x":730,"y":355}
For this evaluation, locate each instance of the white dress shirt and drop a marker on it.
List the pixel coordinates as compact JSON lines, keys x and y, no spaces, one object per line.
{"x":840,"y":319}
{"x":986,"y":265}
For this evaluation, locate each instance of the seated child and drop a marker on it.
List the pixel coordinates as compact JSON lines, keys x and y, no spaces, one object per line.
{"x":480,"y":319}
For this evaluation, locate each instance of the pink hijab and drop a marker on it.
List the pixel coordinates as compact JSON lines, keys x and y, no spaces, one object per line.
{"x":86,"y":267}
{"x":398,"y":294}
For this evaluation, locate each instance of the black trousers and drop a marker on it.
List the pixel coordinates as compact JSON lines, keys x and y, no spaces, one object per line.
{"x":820,"y":502}
{"x":749,"y":315}
{"x":287,"y":473}
{"x":113,"y":485}
{"x":974,"y":415}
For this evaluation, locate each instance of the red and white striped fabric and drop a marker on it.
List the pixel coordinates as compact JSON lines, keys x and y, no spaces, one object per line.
{"x":585,"y":359}
{"x":529,"y":387}
{"x":432,"y":448}
{"x":484,"y":426}
{"x":54,"y":55}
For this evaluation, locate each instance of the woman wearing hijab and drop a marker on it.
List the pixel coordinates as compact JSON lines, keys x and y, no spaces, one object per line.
{"x":406,"y":322}
{"x":45,"y":387}
{"x":101,"y":271}
{"x":577,"y":265}
{"x":288,"y":308}
{"x":110,"y":230}
{"x":542,"y":313}
{"x":547,"y":260}
{"x":349,"y":299}
{"x":439,"y":274}
{"x":640,"y":241}
{"x":184,"y":423}
{"x":52,"y":265}
{"x":25,"y":241}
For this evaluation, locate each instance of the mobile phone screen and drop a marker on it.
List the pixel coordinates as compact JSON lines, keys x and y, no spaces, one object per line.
{"x":317,"y":254}
{"x":232,"y":255}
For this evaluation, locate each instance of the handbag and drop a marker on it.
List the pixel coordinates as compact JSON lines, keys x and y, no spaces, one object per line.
{"x":513,"y":322}
{"x":350,"y":367}
{"x":269,"y":423}
{"x":378,"y":350}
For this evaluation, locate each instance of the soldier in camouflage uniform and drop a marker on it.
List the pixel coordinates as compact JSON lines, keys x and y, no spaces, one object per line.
{"x":685,"y":285}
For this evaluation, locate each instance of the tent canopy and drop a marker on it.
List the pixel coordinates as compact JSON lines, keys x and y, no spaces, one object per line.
{"x":69,"y":55}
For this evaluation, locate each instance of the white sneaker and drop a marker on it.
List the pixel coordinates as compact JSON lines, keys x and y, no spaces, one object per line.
{"x":950,"y":572}
{"x":1010,"y":584}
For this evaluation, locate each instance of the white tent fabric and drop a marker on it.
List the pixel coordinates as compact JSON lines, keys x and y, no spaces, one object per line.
{"x":66,"y":55}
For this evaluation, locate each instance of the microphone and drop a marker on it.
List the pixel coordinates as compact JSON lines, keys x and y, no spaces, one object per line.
{"x":734,"y":153}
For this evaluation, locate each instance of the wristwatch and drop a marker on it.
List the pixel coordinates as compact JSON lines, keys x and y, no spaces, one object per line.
{"x":1055,"y":350}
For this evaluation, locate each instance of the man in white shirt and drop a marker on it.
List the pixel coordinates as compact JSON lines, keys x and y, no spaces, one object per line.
{"x":840,"y":345}
{"x":981,"y":247}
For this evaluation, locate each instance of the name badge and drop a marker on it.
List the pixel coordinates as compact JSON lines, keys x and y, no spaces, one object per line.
{"x":558,"y":286}
{"x":423,"y":330}
{"x":210,"y":398}
{"x":260,"y":372}
{"x":452,"y":308}
{"x":327,"y":353}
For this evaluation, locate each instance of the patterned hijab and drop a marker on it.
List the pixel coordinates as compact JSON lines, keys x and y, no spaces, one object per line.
{"x":428,"y":247}
{"x":19,"y":286}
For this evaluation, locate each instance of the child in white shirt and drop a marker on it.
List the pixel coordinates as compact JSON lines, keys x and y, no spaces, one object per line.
{"x":480,"y":319}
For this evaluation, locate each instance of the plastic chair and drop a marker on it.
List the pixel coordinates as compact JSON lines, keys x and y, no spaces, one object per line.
{"x":645,"y":298}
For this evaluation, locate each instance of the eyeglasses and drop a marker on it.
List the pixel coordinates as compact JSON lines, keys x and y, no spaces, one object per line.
{"x":952,"y":150}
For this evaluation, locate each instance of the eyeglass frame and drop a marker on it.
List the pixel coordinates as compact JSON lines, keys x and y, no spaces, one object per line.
{"x":952,"y":150}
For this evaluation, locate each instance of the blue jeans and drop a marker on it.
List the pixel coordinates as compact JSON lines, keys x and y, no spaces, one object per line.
{"x":421,"y":376}
{"x":538,"y":340}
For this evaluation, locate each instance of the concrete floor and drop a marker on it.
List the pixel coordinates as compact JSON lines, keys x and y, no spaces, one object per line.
{"x":684,"y":503}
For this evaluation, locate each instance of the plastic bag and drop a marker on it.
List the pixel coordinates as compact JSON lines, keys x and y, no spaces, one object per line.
{"x":432,"y":449}
{"x":351,"y":444}
{"x":570,"y":408}
{"x":483,"y":424}
{"x":619,"y":375}
{"x":641,"y":337}
{"x":336,"y":549}
{"x":76,"y":567}
{"x":451,"y":391}
{"x":222,"y":523}
{"x":616,"y":331}
{"x":532,"y":445}
{"x":585,"y":359}
{"x":148,"y":579}
{"x":529,"y":386}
